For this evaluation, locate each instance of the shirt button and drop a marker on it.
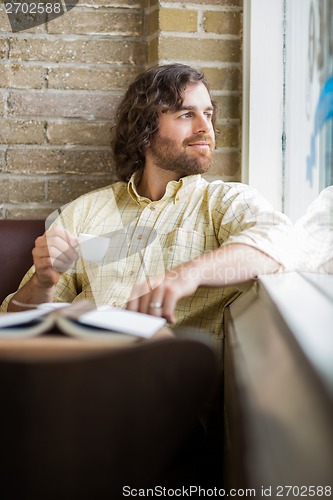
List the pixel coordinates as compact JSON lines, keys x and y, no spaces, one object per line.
{"x":152,"y":208}
{"x":139,"y":237}
{"x":131,"y":273}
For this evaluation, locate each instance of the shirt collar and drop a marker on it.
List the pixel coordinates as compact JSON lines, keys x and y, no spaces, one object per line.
{"x":174,"y":189}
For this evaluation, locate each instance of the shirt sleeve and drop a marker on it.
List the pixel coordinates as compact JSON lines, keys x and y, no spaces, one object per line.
{"x":313,"y":234}
{"x":247,"y":218}
{"x":66,"y":291}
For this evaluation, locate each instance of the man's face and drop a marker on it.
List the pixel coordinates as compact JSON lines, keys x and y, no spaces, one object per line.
{"x":185,"y":141}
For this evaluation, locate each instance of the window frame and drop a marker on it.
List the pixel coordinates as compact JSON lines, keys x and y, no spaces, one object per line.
{"x":263,"y":78}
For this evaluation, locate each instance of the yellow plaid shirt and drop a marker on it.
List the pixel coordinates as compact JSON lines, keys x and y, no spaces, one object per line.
{"x":314,"y":234}
{"x":148,"y":237}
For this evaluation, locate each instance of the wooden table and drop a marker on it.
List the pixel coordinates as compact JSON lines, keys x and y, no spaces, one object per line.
{"x":58,"y":346}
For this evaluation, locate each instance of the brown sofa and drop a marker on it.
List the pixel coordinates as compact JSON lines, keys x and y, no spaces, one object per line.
{"x":86,"y":425}
{"x":17,"y":239}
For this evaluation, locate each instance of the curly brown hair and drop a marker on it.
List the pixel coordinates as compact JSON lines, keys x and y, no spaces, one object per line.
{"x":158,"y":89}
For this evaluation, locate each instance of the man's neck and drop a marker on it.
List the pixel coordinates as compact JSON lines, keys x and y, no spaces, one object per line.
{"x":154,"y":181}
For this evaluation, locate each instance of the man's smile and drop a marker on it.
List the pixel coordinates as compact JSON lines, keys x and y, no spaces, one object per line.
{"x":199,"y":144}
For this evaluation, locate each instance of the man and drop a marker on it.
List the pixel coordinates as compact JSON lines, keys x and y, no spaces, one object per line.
{"x":313,"y":234}
{"x":179,"y":246}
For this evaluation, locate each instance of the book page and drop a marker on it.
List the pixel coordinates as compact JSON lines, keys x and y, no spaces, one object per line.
{"x":123,"y":321}
{"x":24,"y":324}
{"x":110,"y":319}
{"x":19,"y":318}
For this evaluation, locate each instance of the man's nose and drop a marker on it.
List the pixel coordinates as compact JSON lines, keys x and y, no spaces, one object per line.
{"x":202,"y":124}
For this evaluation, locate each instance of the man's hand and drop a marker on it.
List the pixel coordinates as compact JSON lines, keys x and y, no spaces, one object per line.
{"x":161,"y":295}
{"x":53,"y":254}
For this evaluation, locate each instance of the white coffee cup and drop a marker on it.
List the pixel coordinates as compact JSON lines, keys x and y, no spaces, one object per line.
{"x":93,"y":247}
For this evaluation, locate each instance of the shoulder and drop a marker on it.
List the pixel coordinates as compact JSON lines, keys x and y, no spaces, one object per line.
{"x":227,"y":193}
{"x":101,"y":196}
{"x":108,"y":191}
{"x":239,"y":202}
{"x":98,"y":203}
{"x":229,"y":188}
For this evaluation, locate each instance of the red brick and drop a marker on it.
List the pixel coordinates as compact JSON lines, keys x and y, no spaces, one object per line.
{"x":226,"y":165}
{"x":51,"y":160}
{"x":88,"y":50}
{"x":226,"y":3}
{"x":65,"y":190}
{"x":229,"y":78}
{"x":95,"y":21}
{"x":2,"y":160}
{"x":226,"y":23}
{"x":21,"y":132}
{"x":113,"y":77}
{"x":4,"y":21}
{"x":5,"y":25}
{"x":205,"y":49}
{"x":29,"y":211}
{"x":130,"y":4}
{"x":63,"y":104}
{"x":85,"y":133}
{"x":3,"y":47}
{"x":229,"y":136}
{"x":228,"y":106}
{"x":22,"y":76}
{"x":22,"y":190}
{"x":152,"y":22}
{"x":2,"y":104}
{"x":184,"y":20}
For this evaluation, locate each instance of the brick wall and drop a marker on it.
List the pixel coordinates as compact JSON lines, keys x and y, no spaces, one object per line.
{"x":61,"y":81}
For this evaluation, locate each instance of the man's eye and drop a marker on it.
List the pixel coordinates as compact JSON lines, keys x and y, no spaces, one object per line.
{"x":209,"y":115}
{"x":186,"y":115}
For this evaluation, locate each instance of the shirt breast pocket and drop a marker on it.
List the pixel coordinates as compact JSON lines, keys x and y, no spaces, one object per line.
{"x":179,"y":246}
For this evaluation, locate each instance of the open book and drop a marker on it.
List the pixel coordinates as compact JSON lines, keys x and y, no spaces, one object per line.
{"x":80,"y":319}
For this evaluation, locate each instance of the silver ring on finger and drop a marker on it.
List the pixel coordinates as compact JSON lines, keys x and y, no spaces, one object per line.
{"x":155,"y":305}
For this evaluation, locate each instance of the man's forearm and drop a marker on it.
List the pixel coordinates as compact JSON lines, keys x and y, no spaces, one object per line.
{"x":229,"y":265}
{"x":31,"y":293}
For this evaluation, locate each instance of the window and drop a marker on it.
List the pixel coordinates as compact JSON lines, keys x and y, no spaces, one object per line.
{"x":288,"y":100}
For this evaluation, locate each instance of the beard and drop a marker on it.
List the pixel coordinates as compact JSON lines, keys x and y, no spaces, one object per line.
{"x":168,"y":156}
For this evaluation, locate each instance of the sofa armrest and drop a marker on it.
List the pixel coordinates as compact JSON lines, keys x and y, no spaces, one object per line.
{"x":17,"y":239}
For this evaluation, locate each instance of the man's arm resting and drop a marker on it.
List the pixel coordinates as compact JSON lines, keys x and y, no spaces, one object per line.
{"x":229,"y":265}
{"x":31,"y":293}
